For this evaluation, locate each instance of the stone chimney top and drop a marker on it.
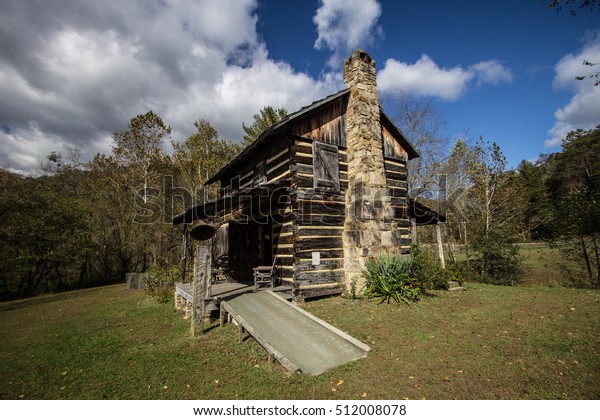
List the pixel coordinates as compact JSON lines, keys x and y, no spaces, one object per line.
{"x":359,"y":64}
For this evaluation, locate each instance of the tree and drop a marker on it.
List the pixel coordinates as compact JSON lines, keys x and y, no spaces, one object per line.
{"x":422,"y":125}
{"x":266,"y":118}
{"x":140,"y":150}
{"x":200,"y":156}
{"x":45,"y":240}
{"x":537,"y":212}
{"x":574,"y":186}
{"x":494,"y":190}
{"x":488,"y":210}
{"x":584,"y":4}
{"x":573,"y":5}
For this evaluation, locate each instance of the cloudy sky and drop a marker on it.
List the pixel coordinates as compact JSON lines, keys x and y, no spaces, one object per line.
{"x":72,"y":72}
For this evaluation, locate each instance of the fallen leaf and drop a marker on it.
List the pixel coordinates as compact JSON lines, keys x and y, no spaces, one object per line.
{"x":165,"y":387}
{"x":446,"y":379}
{"x":64,"y":373}
{"x":364,"y":394}
{"x":188,"y":385}
{"x":333,"y":390}
{"x":411,"y":377}
{"x":340,"y":382}
{"x":256,"y":366}
{"x":562,"y":362}
{"x":459,"y":371}
{"x":217,"y":381}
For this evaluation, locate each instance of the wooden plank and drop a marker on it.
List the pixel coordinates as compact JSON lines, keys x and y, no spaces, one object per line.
{"x":183,"y":292}
{"x":305,"y":265}
{"x":395,"y":166}
{"x":311,"y":219}
{"x":325,"y":231}
{"x":318,"y":243}
{"x":297,"y":339}
{"x":326,"y":325}
{"x":318,"y":277}
{"x":258,"y":337}
{"x":395,"y":176}
{"x":333,"y":208}
{"x":326,"y":291}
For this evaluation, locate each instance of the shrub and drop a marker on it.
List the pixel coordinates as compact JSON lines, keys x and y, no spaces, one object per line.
{"x":427,"y":267}
{"x":389,"y":277}
{"x":158,"y":283}
{"x":459,"y":272}
{"x":498,"y":260}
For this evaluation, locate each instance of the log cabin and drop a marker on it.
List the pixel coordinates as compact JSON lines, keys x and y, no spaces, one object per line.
{"x":318,"y":193}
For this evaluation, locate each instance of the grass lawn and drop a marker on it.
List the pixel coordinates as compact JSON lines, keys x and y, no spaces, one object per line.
{"x":489,"y":342}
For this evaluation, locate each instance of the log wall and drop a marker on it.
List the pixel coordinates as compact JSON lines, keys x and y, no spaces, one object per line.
{"x":318,"y":225}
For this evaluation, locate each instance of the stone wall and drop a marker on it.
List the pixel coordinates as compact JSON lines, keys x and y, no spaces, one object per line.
{"x":369,"y":226}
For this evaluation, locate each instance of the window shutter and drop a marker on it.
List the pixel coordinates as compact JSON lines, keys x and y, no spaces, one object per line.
{"x":326,"y":166}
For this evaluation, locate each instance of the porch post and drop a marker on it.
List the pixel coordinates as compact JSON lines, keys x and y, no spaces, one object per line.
{"x":438,"y":234}
{"x":201,"y":286}
{"x":183,"y":254}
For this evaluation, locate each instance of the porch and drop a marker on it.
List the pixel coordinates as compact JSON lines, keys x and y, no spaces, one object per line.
{"x":218,"y":292}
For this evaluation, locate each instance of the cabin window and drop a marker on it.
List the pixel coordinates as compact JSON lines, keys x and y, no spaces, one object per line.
{"x":260,"y":173}
{"x":326,"y":166}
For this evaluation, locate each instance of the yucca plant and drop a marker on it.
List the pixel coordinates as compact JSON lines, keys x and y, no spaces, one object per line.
{"x":389,"y":279}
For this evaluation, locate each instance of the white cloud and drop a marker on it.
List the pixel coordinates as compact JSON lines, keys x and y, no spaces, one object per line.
{"x":344,"y":25}
{"x":80,"y":73}
{"x":426,"y":78}
{"x":583,"y":110}
{"x":490,"y":72}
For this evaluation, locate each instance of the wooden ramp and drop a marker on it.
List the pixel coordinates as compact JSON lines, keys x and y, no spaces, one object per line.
{"x":298,"y":339}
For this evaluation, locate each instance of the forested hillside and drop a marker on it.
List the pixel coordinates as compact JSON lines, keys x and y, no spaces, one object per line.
{"x":82,"y":224}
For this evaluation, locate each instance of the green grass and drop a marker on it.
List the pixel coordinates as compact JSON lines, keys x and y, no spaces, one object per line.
{"x":489,"y":342}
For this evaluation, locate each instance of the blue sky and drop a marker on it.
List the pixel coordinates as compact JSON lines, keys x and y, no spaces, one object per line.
{"x":72,"y":72}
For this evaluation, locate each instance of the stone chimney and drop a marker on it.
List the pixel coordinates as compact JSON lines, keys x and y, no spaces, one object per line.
{"x":369,"y":227}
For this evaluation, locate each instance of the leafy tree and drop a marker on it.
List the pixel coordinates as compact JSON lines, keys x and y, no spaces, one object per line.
{"x":537,"y":212}
{"x":44,"y":235}
{"x":140,"y":150}
{"x":574,"y":186}
{"x":490,"y":208}
{"x":263,"y":120}
{"x":200,"y":156}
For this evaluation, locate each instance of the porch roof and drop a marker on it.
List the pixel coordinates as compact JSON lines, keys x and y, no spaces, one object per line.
{"x":423,"y":214}
{"x":211,"y":208}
